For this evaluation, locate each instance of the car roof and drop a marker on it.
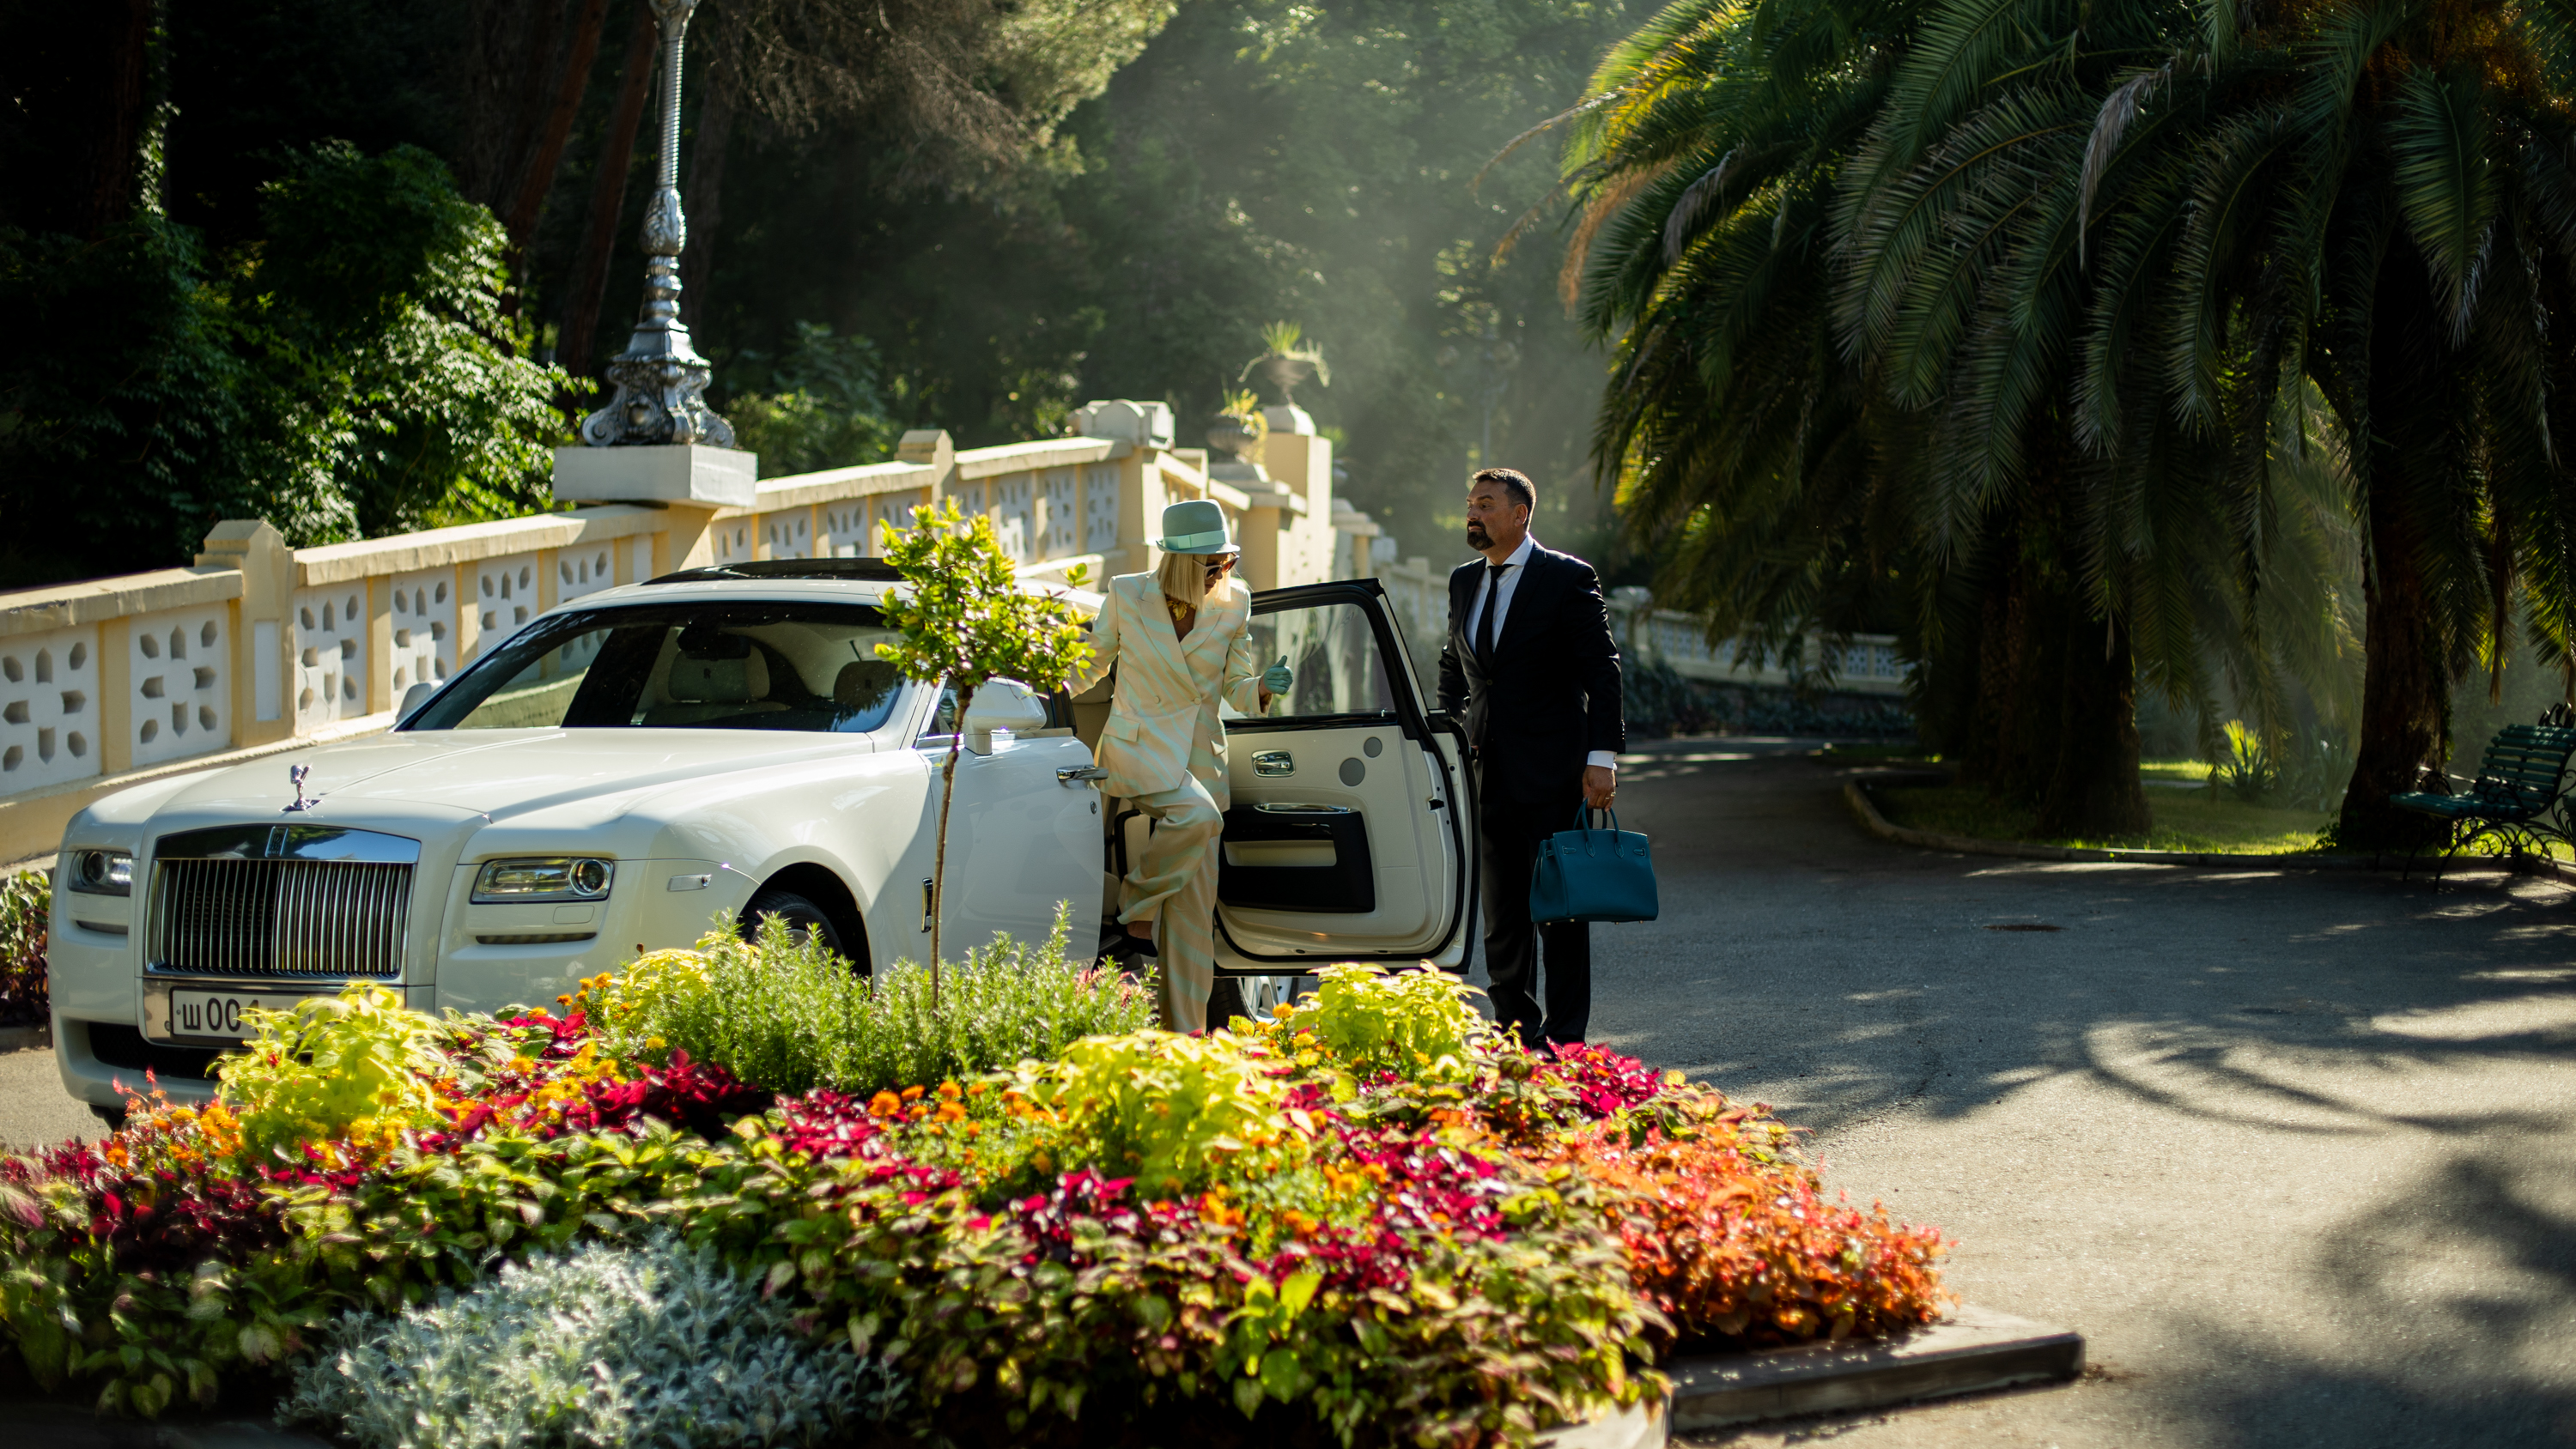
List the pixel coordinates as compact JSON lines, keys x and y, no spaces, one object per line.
{"x":833,"y":570}
{"x":837,"y":580}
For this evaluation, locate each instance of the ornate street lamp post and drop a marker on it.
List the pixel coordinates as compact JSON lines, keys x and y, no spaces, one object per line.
{"x":659,"y":377}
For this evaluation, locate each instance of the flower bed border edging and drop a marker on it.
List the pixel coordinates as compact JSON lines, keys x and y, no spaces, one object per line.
{"x":1856,"y":794}
{"x":1971,"y":1351}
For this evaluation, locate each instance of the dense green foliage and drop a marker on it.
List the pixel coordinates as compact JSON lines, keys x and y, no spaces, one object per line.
{"x":348,"y":371}
{"x":1260,"y":160}
{"x":790,"y":1015}
{"x":2041,"y":333}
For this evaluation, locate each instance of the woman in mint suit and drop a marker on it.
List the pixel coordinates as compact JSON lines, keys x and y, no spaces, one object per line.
{"x":1183,"y":634}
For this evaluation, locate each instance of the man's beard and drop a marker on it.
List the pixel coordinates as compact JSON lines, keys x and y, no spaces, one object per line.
{"x":1477,"y":538}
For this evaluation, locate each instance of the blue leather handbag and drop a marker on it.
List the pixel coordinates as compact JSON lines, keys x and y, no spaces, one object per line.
{"x":1593,"y":875}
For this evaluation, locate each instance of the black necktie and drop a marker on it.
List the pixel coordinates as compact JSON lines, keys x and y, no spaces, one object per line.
{"x":1493,"y":603}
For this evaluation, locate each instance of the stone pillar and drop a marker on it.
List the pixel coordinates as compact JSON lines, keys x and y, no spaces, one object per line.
{"x":263,"y":645}
{"x":934,"y":449}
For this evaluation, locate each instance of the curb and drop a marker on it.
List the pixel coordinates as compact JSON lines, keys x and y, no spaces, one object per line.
{"x":1970,"y":1351}
{"x":1856,"y":794}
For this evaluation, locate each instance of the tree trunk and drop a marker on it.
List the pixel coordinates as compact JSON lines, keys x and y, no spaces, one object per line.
{"x":2405,"y":688}
{"x":939,"y":856}
{"x":582,"y":301}
{"x":2406,"y":674}
{"x":2093,"y":791}
{"x":705,"y":193}
{"x":79,"y":84}
{"x":545,"y":154}
{"x":116,"y":157}
{"x":2019,"y":671}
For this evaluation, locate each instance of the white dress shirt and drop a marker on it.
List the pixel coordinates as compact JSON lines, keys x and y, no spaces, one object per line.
{"x":1502,"y":606}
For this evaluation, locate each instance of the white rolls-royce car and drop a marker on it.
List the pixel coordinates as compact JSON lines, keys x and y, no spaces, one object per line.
{"x":724,"y":742}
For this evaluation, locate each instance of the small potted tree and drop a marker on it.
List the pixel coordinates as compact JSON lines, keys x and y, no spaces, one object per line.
{"x":961,"y":616}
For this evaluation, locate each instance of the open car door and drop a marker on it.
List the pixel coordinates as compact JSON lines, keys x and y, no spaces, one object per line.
{"x":1351,"y":836}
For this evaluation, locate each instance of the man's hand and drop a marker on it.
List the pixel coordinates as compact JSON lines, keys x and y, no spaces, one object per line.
{"x":1600,"y":783}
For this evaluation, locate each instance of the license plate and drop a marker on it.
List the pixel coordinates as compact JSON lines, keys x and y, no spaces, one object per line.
{"x":199,"y":1014}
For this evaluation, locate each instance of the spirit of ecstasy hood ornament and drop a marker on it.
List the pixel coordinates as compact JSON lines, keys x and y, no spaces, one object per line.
{"x":297,"y":773}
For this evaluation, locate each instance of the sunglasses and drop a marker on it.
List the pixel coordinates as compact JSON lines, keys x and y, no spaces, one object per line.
{"x":1220,"y":564}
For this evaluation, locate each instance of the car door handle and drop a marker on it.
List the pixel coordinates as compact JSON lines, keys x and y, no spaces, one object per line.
{"x":1077,"y":773}
{"x":1274,"y":762}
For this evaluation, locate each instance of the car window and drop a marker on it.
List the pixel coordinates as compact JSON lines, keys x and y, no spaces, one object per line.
{"x":1334,"y":652}
{"x":760,"y":666}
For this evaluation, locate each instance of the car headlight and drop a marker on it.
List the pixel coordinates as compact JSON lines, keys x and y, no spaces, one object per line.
{"x":102,"y":872}
{"x":544,"y":878}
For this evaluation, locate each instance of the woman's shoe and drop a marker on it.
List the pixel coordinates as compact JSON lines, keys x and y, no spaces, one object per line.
{"x":1129,"y":952}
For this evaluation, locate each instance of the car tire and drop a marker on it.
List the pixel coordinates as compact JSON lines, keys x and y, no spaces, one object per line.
{"x":114,"y":1117}
{"x":805,"y":920}
{"x":1227,"y":1002}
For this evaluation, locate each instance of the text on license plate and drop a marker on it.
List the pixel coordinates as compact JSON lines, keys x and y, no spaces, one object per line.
{"x":219,"y":1013}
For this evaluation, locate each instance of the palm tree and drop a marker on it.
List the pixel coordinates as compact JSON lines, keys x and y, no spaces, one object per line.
{"x":1837,"y":332}
{"x":2374,"y":195}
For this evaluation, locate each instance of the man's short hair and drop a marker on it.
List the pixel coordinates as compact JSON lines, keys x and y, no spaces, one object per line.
{"x":1512,"y":481}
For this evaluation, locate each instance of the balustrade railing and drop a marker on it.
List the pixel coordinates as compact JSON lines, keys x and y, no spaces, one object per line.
{"x":258,"y":647}
{"x":1861,"y":664}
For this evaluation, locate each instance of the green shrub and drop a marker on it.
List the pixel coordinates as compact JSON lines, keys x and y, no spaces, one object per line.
{"x":1165,"y":1109}
{"x":355,"y":1066}
{"x":792,"y":1017}
{"x":606,"y":1347}
{"x":26,"y":909}
{"x":1416,"y":1024}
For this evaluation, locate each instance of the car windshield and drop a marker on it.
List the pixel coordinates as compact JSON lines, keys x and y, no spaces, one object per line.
{"x":712,"y":666}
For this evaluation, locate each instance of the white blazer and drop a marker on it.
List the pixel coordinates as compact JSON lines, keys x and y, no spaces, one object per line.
{"x":1163,"y":724}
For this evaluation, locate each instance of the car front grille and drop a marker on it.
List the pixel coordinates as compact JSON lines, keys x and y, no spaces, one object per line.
{"x":281,"y":901}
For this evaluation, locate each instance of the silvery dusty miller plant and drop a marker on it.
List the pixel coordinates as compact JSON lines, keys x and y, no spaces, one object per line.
{"x":651,"y":1346}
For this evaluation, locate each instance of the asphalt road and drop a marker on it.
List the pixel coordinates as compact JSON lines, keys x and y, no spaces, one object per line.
{"x":2292,"y":1150}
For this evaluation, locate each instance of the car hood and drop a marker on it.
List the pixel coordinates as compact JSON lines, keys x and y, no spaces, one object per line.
{"x":501,"y":773}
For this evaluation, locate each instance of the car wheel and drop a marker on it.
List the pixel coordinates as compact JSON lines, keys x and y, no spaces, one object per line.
{"x":114,"y":1117}
{"x":1232,"y":997}
{"x":805,"y":920}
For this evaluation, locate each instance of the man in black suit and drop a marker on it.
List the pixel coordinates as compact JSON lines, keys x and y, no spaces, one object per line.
{"x":1530,"y":667}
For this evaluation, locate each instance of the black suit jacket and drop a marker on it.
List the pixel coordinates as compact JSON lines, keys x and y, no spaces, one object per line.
{"x":1550,"y":694}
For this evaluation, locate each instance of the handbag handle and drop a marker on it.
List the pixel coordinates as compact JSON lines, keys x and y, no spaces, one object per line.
{"x":1583,"y":817}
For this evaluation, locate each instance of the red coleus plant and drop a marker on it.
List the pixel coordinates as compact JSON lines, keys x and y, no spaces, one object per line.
{"x":1735,"y":1243}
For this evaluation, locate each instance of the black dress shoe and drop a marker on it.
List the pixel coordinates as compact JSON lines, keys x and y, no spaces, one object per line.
{"x":1128,"y":950}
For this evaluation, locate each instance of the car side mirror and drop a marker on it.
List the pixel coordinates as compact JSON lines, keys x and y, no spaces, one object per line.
{"x":1000,"y":704}
{"x":413,"y":698}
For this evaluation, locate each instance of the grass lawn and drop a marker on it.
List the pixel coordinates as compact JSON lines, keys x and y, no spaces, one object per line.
{"x":2183,"y":819}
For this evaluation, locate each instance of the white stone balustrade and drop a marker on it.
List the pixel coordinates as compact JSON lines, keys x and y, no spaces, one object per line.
{"x":1418,"y":592}
{"x":260,"y":648}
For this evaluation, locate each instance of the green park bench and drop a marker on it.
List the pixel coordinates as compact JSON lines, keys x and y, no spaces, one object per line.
{"x":2516,"y":803}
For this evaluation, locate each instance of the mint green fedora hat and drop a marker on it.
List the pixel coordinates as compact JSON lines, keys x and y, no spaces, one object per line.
{"x":1195,"y":526}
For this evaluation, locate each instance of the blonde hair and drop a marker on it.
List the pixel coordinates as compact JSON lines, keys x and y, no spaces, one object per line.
{"x":1184,"y":577}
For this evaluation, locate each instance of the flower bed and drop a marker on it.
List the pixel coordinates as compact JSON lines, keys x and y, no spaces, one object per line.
{"x":26,"y":909}
{"x":1367,"y":1221}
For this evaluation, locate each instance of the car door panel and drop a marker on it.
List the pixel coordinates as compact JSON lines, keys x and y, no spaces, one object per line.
{"x":1344,"y":840}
